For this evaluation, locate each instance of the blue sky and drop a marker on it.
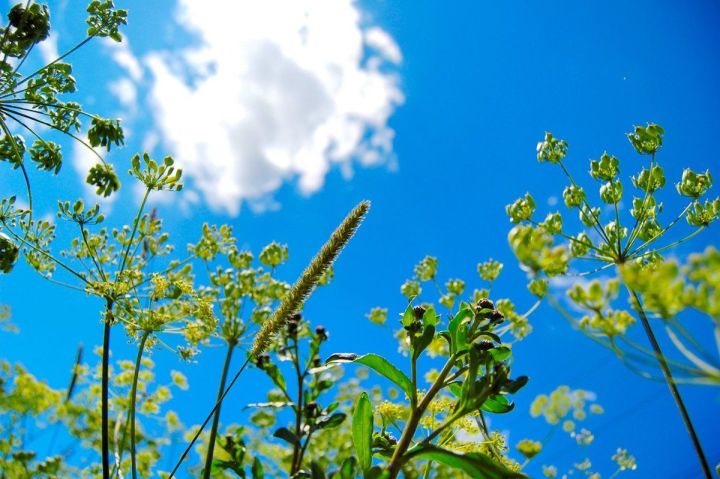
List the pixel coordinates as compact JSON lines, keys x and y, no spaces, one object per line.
{"x":439,"y":111}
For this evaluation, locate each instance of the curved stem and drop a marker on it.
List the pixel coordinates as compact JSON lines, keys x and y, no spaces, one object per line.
{"x":414,"y":419}
{"x":104,"y":393}
{"x":133,"y":398}
{"x":671,"y":384}
{"x":216,"y":417}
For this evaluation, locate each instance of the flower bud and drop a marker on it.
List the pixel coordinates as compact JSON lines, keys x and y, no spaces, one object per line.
{"x":419,"y":311}
{"x":484,"y":345}
{"x":321,"y":333}
{"x":497,"y":317}
{"x":485,"y":303}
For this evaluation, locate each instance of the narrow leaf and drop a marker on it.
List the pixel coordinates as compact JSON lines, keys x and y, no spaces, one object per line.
{"x":380,"y":365}
{"x":286,"y":435}
{"x":257,"y":469}
{"x":362,"y":429}
{"x":477,"y":465}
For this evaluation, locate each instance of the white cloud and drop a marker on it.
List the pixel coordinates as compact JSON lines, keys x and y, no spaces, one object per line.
{"x":277,"y":90}
{"x":126,"y":92}
{"x":48,"y":48}
{"x":122,"y":54}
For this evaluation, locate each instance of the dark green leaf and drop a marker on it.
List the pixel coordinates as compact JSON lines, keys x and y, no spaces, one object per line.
{"x":257,"y":469}
{"x":316,"y":470}
{"x":498,"y":404}
{"x":514,"y":385}
{"x":423,"y":341}
{"x":377,"y":472}
{"x":334,"y":420}
{"x":286,"y":435}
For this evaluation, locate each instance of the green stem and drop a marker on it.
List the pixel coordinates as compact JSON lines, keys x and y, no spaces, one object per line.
{"x":414,"y":419}
{"x":671,"y":384}
{"x":104,"y":393}
{"x":297,"y":459}
{"x":216,"y":416}
{"x":133,"y":398}
{"x":134,"y":230}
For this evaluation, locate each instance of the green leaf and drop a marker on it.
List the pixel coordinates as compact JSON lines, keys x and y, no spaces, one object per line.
{"x":380,"y":365}
{"x":334,"y":420}
{"x":287,"y":435}
{"x":316,"y":470}
{"x":423,"y":341}
{"x":377,"y":472}
{"x":362,"y":429}
{"x":408,"y":316}
{"x":347,"y":468}
{"x":514,"y":385}
{"x":458,"y":340}
{"x":475,"y":464}
{"x":498,"y":404}
{"x":430,"y":316}
{"x":257,"y":469}
{"x":501,"y":353}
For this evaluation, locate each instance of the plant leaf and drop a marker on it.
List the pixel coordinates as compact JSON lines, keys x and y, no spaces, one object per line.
{"x":423,"y":341}
{"x":475,"y":464}
{"x":380,"y":365}
{"x":257,"y":469}
{"x":330,"y":421}
{"x":286,"y":435}
{"x":362,"y":429}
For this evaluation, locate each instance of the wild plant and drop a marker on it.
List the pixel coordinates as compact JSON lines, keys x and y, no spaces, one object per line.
{"x":628,"y":248}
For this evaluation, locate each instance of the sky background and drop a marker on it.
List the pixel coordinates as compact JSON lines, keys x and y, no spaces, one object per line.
{"x":284,"y":114}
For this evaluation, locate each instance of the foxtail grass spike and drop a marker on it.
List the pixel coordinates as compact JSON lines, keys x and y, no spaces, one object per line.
{"x":297,"y":295}
{"x":292,"y":301}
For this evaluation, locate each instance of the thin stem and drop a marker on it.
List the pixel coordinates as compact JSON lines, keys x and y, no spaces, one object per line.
{"x":6,"y":130}
{"x":635,"y":254}
{"x":7,"y":112}
{"x":209,"y":416}
{"x":596,"y":224}
{"x":134,"y":230}
{"x":671,"y":384}
{"x":105,"y":381}
{"x":91,"y":252}
{"x":642,"y":215}
{"x":133,"y":398}
{"x":665,"y":229}
{"x":46,"y":254}
{"x":40,"y":70}
{"x":296,"y":459}
{"x":216,"y":417}
{"x":59,"y":106}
